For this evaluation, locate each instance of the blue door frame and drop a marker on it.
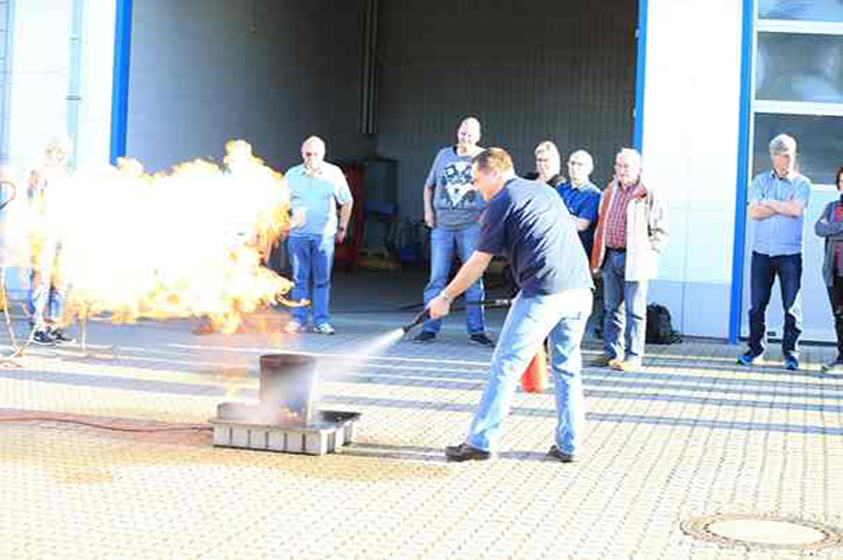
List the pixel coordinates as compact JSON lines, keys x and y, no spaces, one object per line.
{"x":640,"y":75}
{"x":744,"y":115}
{"x":120,"y":88}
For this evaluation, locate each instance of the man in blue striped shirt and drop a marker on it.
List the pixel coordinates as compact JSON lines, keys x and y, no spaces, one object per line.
{"x":777,"y":205}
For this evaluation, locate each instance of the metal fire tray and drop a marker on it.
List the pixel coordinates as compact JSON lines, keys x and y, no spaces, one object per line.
{"x":238,"y":428}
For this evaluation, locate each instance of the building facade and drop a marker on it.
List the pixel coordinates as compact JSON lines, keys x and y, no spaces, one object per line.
{"x":700,"y":86}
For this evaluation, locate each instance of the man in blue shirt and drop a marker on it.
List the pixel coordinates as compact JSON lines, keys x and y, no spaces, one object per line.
{"x":528,"y":223}
{"x":582,"y":198}
{"x":316,"y":188}
{"x":777,"y":204}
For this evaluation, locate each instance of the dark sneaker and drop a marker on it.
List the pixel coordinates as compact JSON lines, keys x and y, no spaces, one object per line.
{"x":43,"y":338}
{"x":560,"y":455}
{"x":833,"y":367}
{"x":605,"y":361}
{"x":749,"y":359}
{"x":61,"y":337}
{"x":481,"y":339}
{"x":791,"y":362}
{"x":464,"y":452}
{"x":425,"y":337}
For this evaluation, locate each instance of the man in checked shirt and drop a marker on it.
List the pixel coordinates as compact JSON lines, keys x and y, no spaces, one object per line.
{"x":631,"y":232}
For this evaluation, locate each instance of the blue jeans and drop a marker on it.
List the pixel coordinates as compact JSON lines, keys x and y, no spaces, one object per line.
{"x":625,"y":310}
{"x":562,"y":318}
{"x":312,"y":259}
{"x":763,"y":272}
{"x":444,"y":245}
{"x":47,"y":292}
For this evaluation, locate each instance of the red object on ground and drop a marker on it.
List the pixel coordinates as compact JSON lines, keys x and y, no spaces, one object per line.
{"x":346,"y":252}
{"x":534,"y":378}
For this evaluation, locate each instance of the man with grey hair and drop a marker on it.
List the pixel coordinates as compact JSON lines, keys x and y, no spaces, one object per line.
{"x":776,"y":207}
{"x":582,"y":198}
{"x":452,"y":209}
{"x":631,"y":233}
{"x":316,"y":189}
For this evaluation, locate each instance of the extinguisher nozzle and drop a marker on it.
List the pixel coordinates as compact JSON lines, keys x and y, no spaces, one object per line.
{"x":420,"y":318}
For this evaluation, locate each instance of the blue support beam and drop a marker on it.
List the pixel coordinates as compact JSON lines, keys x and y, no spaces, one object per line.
{"x":120,"y":88}
{"x":640,"y":75}
{"x":745,"y":114}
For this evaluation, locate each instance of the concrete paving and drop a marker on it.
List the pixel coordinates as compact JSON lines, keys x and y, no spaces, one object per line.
{"x":689,"y":434}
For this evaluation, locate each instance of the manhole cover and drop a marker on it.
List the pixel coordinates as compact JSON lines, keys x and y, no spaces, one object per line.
{"x":763,"y":532}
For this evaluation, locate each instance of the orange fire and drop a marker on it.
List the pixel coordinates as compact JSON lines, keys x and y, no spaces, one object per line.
{"x":189,"y":242}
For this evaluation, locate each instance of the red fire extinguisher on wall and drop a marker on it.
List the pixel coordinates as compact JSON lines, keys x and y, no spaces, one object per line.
{"x":534,"y":379}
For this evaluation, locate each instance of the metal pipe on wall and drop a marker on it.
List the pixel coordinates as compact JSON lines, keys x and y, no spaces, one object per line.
{"x":368,"y":81}
{"x":74,"y":87}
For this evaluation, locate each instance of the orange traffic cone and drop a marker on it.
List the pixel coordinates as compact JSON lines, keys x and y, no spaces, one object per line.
{"x":534,"y":378}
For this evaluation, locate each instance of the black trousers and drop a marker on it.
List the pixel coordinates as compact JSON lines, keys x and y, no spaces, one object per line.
{"x":835,"y":297}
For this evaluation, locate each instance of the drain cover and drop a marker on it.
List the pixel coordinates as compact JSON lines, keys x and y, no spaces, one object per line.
{"x":763,"y":532}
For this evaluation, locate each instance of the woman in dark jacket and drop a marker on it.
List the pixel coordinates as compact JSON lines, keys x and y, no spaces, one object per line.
{"x":830,"y":226}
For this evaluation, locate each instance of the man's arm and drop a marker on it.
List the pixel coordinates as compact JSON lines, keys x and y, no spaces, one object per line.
{"x":470,"y":272}
{"x":345,"y":216}
{"x":825,"y":227}
{"x":760,"y":211}
{"x":790,"y":208}
{"x":429,"y":216}
{"x":582,"y":223}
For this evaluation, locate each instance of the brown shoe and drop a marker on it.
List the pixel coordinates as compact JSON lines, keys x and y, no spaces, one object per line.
{"x":605,"y":361}
{"x":626,"y":365}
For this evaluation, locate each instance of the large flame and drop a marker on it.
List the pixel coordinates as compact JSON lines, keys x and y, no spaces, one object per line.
{"x":189,"y":242}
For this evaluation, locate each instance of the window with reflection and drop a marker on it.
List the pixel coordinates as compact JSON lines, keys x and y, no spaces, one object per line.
{"x":799,"y":67}
{"x":801,"y":10}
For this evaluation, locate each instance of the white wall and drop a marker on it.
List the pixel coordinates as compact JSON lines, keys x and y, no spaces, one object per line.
{"x":41,"y":68}
{"x":40,"y":79}
{"x":97,"y":79}
{"x":690,"y":145}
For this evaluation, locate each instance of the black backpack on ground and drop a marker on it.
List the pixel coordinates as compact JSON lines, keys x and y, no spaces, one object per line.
{"x":659,"y":327}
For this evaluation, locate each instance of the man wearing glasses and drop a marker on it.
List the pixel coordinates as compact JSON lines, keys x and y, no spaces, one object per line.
{"x":582,"y":198}
{"x":631,"y":232}
{"x":316,"y":189}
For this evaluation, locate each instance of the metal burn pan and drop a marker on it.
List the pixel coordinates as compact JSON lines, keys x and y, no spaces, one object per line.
{"x":246,"y":426}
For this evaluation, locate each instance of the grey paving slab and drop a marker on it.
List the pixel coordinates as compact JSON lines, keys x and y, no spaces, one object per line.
{"x":689,"y":434}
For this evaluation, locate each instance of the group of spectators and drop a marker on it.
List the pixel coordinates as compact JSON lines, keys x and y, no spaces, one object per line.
{"x":620,"y":231}
{"x":558,"y":234}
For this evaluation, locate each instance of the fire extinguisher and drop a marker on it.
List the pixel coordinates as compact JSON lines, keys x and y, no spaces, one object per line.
{"x":534,"y":379}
